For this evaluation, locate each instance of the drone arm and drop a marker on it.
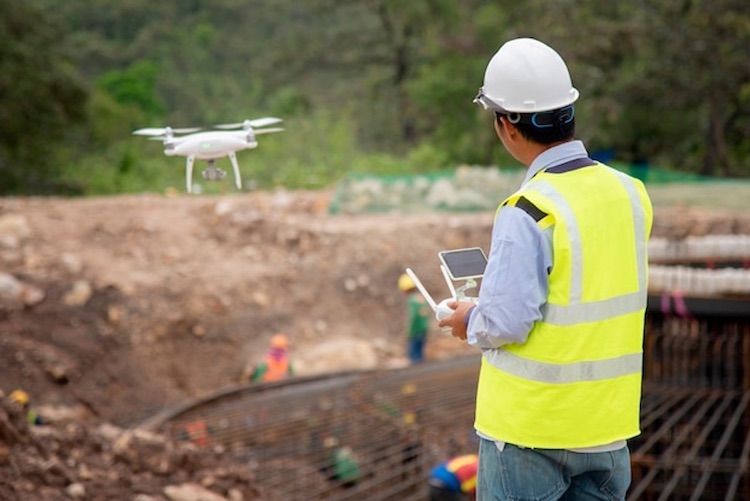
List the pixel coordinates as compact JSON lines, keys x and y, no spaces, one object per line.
{"x":236,"y":167}
{"x":189,"y":172}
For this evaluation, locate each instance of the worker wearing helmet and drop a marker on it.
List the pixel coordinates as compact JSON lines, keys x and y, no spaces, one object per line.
{"x":560,"y":315}
{"x":275,"y":364}
{"x":22,"y":398}
{"x":418,"y":319}
{"x":455,"y":479}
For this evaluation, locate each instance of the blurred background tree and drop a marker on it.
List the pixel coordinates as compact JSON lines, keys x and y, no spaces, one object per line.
{"x":41,"y":95}
{"x":378,"y":86}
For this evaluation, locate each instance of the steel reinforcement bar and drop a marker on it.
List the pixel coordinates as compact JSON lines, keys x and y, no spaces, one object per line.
{"x":375,"y":435}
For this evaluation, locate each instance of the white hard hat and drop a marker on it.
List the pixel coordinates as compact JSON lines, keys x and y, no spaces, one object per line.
{"x":526,"y":76}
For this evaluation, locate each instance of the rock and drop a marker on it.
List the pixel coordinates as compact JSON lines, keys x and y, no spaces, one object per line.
{"x":236,"y":495}
{"x":79,"y":294}
{"x":14,"y":229}
{"x":72,"y":263}
{"x":191,"y":492}
{"x":336,"y":355}
{"x":10,"y":286}
{"x":17,"y":291}
{"x":32,"y":295}
{"x":57,"y":371}
{"x":76,"y":490}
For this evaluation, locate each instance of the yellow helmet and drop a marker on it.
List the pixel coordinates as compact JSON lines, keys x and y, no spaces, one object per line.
{"x":20,"y":397}
{"x":405,"y":283}
{"x":280,"y":341}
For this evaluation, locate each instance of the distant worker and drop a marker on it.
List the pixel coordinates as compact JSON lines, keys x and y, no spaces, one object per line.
{"x":197,"y":432}
{"x":341,"y":465}
{"x":275,"y":364}
{"x":418,"y":320}
{"x":455,"y":479}
{"x":21,"y":398}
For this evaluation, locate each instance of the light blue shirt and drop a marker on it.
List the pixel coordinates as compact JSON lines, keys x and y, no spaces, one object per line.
{"x":515,"y":282}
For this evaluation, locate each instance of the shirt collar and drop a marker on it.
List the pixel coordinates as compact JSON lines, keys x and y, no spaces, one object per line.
{"x":556,"y":155}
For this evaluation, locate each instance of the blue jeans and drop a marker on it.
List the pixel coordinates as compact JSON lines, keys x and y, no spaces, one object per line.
{"x":519,"y":474}
{"x":415,"y":349}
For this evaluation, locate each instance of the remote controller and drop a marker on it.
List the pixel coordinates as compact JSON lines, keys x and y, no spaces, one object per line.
{"x":443,"y":310}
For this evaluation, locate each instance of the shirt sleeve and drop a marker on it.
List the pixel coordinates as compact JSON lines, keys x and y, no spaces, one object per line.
{"x":515,"y":283}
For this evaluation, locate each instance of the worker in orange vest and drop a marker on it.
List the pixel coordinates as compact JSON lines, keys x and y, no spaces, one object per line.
{"x":455,"y":479}
{"x":197,"y":432}
{"x":275,"y":365}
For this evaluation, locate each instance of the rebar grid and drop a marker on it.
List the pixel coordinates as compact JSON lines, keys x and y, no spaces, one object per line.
{"x":396,"y":424}
{"x":695,"y":421}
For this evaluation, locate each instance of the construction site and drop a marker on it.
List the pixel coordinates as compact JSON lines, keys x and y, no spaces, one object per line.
{"x":398,"y":424}
{"x":131,"y":319}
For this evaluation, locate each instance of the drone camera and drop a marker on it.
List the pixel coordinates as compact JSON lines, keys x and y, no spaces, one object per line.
{"x":214,"y":174}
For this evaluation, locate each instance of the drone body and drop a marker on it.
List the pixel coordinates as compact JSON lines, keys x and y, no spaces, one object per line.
{"x":211,"y":145}
{"x":208,"y":145}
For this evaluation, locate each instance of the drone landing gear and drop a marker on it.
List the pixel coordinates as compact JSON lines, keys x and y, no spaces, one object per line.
{"x":213,"y":173}
{"x":235,"y":166}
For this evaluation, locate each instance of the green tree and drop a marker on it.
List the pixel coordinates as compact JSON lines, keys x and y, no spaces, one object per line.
{"x":136,"y":87}
{"x":665,"y":81}
{"x":378,"y":84}
{"x":41,"y":96}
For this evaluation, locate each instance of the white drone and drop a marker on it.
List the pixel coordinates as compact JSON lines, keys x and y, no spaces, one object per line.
{"x":211,"y":145}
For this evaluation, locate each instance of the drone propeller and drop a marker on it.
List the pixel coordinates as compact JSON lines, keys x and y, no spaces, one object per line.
{"x":247,"y":124}
{"x":164,"y":131}
{"x":266,"y":131}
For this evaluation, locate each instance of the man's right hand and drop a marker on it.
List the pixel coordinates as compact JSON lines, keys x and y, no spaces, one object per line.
{"x":457,"y":321}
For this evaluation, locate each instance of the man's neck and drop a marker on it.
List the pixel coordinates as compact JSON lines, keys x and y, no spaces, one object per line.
{"x":533,"y":150}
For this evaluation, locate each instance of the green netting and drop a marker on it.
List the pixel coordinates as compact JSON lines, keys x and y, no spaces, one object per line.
{"x":652,"y":175}
{"x":472,"y":188}
{"x":463,"y":189}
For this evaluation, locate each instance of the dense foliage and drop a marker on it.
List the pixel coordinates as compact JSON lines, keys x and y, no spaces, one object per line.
{"x":363,"y":86}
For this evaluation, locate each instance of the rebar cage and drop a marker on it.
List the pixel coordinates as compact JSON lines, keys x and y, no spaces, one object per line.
{"x":375,"y":435}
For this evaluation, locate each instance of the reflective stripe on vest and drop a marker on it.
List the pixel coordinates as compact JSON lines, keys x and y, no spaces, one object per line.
{"x":564,"y":373}
{"x":578,"y":312}
{"x":575,"y":383}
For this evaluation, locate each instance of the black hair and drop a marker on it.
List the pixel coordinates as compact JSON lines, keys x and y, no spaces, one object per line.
{"x":546,"y":127}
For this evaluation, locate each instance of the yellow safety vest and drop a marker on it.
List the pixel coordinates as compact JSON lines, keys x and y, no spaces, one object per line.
{"x":576,"y":381}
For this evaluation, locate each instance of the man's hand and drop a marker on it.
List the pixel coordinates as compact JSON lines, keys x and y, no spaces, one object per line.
{"x":457,"y":322}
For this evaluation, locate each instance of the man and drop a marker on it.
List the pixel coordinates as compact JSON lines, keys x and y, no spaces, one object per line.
{"x":275,"y":365}
{"x":418,"y":322}
{"x":21,"y":398}
{"x":341,"y":465}
{"x":455,"y":479}
{"x":561,"y":307}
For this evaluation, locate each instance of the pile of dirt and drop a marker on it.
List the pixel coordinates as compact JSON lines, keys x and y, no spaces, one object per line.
{"x":73,"y":458}
{"x":127,"y":305}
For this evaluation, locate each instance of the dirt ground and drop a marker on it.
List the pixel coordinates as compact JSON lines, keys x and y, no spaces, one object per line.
{"x":114,"y":308}
{"x":133,"y":303}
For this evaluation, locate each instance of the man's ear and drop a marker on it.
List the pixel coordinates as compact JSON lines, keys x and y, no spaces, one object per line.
{"x":510,"y":128}
{"x":502,"y":122}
